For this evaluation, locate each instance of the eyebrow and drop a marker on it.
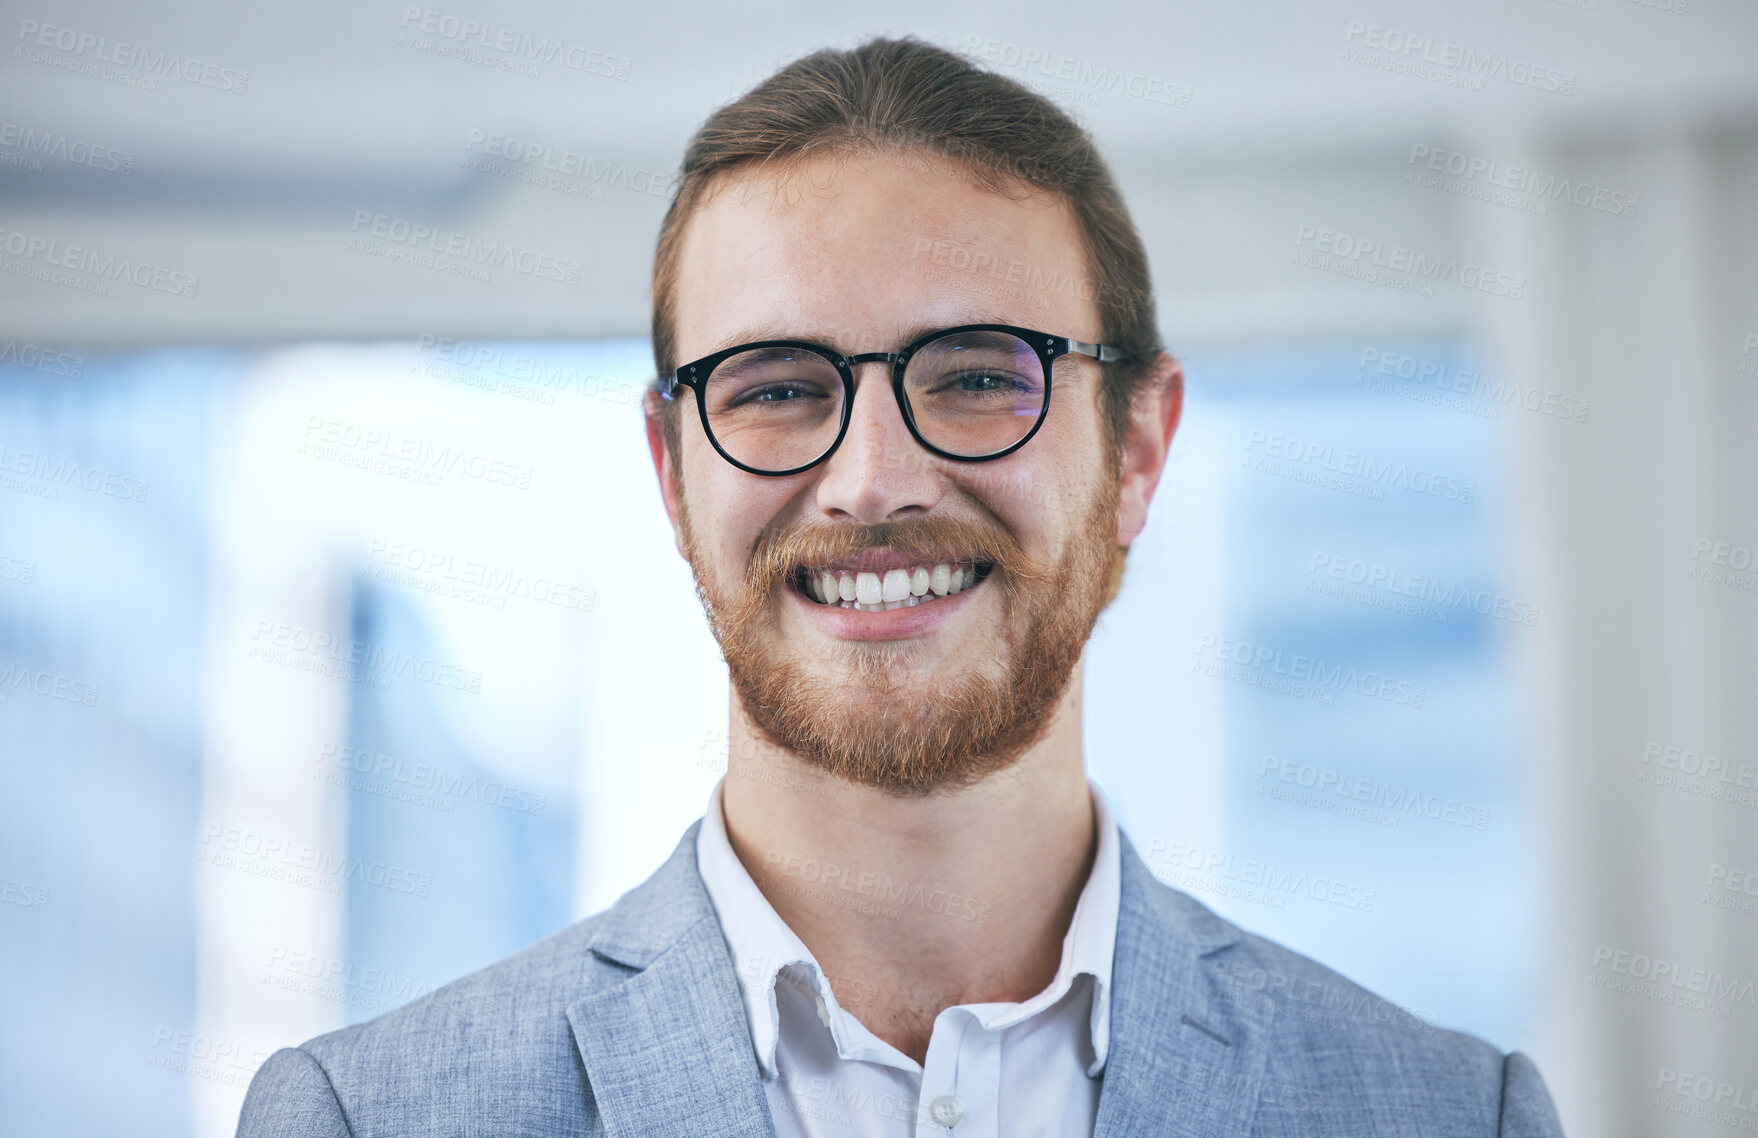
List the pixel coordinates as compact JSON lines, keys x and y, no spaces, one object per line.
{"x":909,"y":335}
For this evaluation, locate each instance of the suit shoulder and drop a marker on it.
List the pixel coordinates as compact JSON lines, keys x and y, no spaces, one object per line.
{"x":1310,"y":1009}
{"x":1341,"y":1054}
{"x":1316,"y":1005}
{"x":523,"y":994}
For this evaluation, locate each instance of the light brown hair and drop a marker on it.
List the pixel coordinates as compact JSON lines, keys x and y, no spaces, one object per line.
{"x":912,"y":96}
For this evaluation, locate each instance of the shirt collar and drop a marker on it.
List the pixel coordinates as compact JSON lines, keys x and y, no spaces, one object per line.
{"x":763,"y":945}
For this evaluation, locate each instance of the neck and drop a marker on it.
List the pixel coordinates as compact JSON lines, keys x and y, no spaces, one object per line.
{"x":915,"y":905}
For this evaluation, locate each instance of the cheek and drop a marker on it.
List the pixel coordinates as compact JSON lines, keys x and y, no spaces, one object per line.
{"x":727,"y":508}
{"x":1043,"y":491}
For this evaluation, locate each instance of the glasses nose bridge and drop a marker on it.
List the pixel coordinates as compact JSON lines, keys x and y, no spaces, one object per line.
{"x":888,"y":358}
{"x":855,"y":363}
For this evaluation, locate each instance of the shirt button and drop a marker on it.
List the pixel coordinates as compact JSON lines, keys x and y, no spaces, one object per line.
{"x":946,"y":1110}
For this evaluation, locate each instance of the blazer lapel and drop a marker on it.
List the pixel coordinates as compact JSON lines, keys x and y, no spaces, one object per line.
{"x":668,"y":1050}
{"x":1184,"y":1058}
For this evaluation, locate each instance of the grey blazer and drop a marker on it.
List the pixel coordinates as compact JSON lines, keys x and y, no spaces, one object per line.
{"x":631,"y":1023}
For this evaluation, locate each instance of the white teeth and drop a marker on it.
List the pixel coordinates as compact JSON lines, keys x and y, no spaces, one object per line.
{"x":880,"y":591}
{"x":940,"y":580}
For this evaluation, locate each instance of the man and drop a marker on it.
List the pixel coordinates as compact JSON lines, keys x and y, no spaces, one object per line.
{"x":912,"y":413}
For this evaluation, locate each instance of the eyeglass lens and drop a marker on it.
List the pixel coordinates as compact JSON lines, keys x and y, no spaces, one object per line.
{"x":972,"y":394}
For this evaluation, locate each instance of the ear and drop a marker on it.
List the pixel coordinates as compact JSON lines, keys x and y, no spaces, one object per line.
{"x":652,"y":408}
{"x":1152,"y":420}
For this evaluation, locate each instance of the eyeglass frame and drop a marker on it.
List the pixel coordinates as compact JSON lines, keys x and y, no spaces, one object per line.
{"x":695,"y":375}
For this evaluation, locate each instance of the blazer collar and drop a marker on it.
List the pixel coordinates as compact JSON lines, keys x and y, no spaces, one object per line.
{"x":668,"y":1049}
{"x":1187,"y":1058}
{"x":763,"y":945}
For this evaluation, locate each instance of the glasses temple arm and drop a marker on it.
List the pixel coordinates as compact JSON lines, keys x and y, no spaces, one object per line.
{"x":1104,"y":353}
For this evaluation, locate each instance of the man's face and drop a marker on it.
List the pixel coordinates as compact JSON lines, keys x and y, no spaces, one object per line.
{"x":856,"y":253}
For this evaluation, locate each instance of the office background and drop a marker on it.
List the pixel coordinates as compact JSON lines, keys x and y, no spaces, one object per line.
{"x":344,"y":647}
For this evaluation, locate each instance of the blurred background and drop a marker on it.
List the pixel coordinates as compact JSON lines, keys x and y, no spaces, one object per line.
{"x":334,"y":579}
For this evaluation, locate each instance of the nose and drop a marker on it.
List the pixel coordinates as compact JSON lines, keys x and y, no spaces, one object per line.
{"x":879,"y":473}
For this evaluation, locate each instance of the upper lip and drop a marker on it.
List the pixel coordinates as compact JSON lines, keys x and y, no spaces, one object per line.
{"x":879,"y":560}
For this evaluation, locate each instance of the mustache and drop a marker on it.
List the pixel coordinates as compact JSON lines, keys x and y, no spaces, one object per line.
{"x":779,"y":551}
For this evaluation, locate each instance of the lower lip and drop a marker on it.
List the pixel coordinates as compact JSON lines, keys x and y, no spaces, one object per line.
{"x":888,"y":624}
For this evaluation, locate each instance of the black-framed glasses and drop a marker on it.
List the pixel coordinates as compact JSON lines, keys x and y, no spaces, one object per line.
{"x":970,"y":394}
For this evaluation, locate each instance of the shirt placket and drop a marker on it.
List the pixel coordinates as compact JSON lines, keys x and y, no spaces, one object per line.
{"x":961,"y":1080}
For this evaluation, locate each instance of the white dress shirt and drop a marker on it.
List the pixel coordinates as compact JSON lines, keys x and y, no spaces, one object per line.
{"x":1015,"y":1069}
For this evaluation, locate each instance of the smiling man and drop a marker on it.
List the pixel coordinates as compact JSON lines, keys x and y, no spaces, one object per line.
{"x":912,"y":412}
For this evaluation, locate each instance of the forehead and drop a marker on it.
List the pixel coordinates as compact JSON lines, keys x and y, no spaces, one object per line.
{"x":858,"y":251}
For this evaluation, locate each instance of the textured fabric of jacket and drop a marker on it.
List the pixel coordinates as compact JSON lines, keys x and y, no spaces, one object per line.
{"x":631,"y":1023}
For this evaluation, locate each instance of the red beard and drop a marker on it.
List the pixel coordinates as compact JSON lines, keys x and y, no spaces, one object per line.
{"x":859,"y":724}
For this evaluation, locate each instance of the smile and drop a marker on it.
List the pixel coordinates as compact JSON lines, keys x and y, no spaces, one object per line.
{"x":894,"y":587}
